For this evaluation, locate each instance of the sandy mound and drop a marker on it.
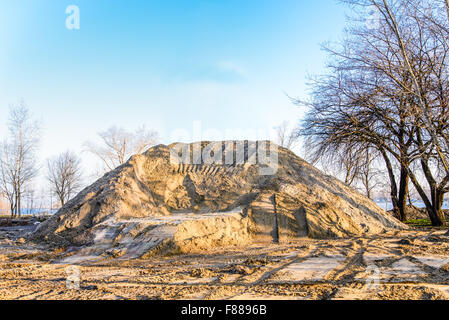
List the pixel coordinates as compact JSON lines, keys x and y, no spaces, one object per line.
{"x":154,"y":203}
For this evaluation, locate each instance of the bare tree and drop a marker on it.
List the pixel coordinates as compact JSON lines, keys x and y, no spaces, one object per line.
{"x":387,"y":87}
{"x":64,"y":176}
{"x":420,"y":32}
{"x":7,"y":176}
{"x":424,"y":62}
{"x":18,"y":165}
{"x":118,"y":145}
{"x":286,"y":137}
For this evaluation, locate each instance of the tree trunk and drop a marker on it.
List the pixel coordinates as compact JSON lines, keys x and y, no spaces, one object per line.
{"x":436,"y":217}
{"x":15,"y":205}
{"x":436,"y":196}
{"x":433,"y":208}
{"x":403,"y":193}
{"x":19,"y":205}
{"x":276,"y":221}
{"x":393,"y":185}
{"x":436,"y":213}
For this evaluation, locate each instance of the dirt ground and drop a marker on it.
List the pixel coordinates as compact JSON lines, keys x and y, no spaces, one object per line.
{"x":401,"y":265}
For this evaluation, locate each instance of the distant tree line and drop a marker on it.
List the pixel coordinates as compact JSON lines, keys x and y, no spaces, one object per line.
{"x":385,"y":98}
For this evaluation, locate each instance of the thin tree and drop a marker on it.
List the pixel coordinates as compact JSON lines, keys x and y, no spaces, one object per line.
{"x":286,"y":137}
{"x":118,"y":145}
{"x":18,"y":165}
{"x":64,"y":176}
{"x":7,"y":176}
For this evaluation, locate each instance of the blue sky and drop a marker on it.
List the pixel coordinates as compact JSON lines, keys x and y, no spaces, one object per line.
{"x":164,"y":63}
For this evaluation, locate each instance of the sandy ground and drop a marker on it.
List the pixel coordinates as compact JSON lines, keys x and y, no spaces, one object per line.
{"x":402,"y":265}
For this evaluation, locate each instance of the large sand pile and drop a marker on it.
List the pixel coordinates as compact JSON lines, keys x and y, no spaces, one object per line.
{"x":153,"y":203}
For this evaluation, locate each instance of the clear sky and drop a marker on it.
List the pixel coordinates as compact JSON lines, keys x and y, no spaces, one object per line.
{"x":164,"y":63}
